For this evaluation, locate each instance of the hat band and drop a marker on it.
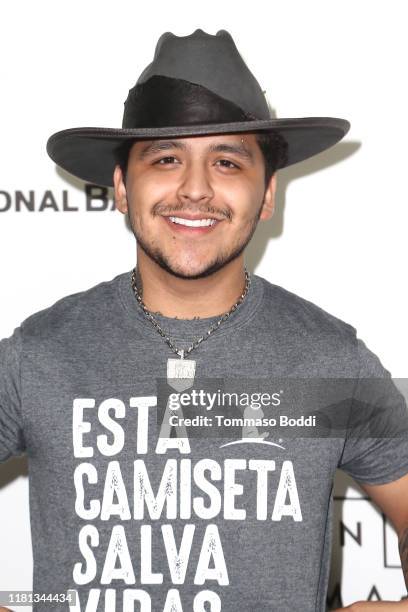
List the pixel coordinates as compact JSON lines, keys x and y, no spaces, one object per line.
{"x":168,"y":102}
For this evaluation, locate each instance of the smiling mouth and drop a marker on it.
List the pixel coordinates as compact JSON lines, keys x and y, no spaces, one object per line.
{"x":192,"y":225}
{"x":205,"y":222}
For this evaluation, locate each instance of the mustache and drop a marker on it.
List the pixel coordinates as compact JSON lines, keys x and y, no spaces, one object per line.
{"x":160,"y":209}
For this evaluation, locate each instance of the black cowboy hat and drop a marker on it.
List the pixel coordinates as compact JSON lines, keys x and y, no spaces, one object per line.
{"x":196,"y":85}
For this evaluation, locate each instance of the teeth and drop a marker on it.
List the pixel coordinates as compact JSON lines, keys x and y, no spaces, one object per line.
{"x":193,"y":222}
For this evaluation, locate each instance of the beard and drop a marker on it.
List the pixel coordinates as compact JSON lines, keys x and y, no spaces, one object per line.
{"x":157,"y":255}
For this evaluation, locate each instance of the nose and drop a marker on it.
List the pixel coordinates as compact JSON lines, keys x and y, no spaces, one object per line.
{"x":195,"y":185}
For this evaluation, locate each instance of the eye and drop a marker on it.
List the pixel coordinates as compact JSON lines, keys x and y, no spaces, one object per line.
{"x":164,"y":161}
{"x":226,"y":163}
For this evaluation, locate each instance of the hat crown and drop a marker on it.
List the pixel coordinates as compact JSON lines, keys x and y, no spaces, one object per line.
{"x":196,"y":85}
{"x":212,"y":61}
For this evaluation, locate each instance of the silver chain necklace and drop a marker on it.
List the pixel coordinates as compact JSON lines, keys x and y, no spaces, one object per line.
{"x":181,"y":372}
{"x":183,"y":352}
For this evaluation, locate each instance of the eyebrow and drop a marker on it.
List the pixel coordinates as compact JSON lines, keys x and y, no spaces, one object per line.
{"x":164,"y":145}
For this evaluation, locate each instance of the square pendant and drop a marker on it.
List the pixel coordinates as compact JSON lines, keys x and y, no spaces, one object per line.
{"x":181,"y":373}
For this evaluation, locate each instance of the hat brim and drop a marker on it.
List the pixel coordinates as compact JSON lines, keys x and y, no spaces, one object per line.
{"x":89,"y":153}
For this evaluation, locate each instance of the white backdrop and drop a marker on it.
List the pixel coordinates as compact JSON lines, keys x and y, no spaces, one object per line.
{"x":338,"y":237}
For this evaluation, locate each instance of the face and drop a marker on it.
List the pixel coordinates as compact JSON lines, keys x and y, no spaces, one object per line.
{"x":194,"y":203}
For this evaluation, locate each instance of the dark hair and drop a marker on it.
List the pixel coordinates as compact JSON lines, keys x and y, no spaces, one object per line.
{"x":273,"y":146}
{"x":275,"y":151}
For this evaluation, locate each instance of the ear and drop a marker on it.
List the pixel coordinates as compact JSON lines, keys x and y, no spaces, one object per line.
{"x":268,"y":205}
{"x":120,"y":190}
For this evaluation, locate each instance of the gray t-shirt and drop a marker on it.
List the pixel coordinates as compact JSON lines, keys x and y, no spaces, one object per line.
{"x":133,"y":520}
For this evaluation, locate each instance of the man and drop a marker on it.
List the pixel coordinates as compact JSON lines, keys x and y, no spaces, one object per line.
{"x":130,"y":507}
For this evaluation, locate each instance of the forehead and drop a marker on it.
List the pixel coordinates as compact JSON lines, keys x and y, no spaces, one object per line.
{"x":243,"y":144}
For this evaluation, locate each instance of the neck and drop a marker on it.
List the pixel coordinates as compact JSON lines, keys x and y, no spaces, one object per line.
{"x":170,"y":296}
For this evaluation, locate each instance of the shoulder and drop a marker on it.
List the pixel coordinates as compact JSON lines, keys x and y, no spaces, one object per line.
{"x":302,"y":314}
{"x":77,"y":311}
{"x":307,"y":334}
